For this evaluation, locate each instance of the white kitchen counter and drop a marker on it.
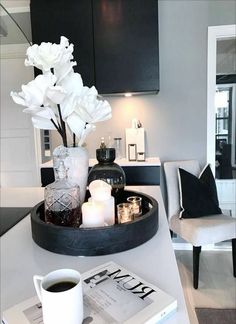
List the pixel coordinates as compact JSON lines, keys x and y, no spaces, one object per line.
{"x":151,"y":161}
{"x":21,"y":258}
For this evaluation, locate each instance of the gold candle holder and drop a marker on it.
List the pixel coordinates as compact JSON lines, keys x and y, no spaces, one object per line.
{"x":125,"y":213}
{"x":136,"y":203}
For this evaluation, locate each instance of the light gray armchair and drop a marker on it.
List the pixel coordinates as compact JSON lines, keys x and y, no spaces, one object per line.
{"x":197,"y":231}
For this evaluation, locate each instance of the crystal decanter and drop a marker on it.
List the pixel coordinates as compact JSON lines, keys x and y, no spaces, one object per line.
{"x":62,"y":200}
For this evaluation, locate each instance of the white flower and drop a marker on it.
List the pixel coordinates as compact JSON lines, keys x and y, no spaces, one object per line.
{"x":57,"y":99}
{"x":48,"y":56}
{"x":90,"y":108}
{"x":86,"y":131}
{"x":79,"y":111}
{"x":72,"y":83}
{"x":76,"y":124}
{"x":42,"y":119}
{"x":33,"y":95}
{"x":67,"y":106}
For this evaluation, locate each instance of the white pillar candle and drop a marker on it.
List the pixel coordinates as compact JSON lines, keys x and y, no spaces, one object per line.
{"x":101,"y":192}
{"x":92,"y":214}
{"x":108,"y":210}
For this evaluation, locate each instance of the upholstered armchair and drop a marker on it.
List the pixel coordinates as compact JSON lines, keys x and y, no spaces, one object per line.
{"x":198,"y":231}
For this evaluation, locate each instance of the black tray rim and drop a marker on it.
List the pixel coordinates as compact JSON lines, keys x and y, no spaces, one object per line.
{"x":95,"y":241}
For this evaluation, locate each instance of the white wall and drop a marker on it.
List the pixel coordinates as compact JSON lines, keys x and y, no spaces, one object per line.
{"x":175,"y":119}
{"x":18,"y":165}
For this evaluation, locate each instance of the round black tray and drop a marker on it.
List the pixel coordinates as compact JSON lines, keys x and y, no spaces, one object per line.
{"x":99,"y":240}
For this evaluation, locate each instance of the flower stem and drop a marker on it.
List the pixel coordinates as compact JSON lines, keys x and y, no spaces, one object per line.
{"x":58,"y":128}
{"x":63,"y":127}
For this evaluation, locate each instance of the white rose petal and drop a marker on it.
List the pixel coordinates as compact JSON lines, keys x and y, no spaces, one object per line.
{"x":102,"y":111}
{"x":18,"y":98}
{"x":33,"y":93}
{"x":91,"y":109}
{"x":56,"y":94}
{"x":42,"y":123}
{"x":72,"y":83}
{"x":34,"y":110}
{"x":62,"y":70}
{"x":76,"y":124}
{"x":42,"y":119}
{"x":86,"y":131}
{"x":68,"y":106}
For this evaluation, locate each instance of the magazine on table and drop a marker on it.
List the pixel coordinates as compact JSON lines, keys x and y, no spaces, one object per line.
{"x":112,"y":295}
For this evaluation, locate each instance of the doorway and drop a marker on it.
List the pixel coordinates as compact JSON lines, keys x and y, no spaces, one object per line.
{"x":221,"y":117}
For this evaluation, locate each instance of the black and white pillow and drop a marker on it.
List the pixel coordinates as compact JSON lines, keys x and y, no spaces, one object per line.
{"x":198,"y":196}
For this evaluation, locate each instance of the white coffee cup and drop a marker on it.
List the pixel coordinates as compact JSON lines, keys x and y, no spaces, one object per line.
{"x":64,"y":306}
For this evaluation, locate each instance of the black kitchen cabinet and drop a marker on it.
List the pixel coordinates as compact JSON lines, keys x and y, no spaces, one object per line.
{"x":126,"y":45}
{"x":115,"y":41}
{"x":51,"y":19}
{"x":135,"y":175}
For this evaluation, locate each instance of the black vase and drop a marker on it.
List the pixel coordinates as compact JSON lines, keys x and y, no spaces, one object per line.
{"x":109,"y":171}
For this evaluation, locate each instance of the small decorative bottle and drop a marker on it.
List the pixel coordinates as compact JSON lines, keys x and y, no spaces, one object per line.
{"x":62,"y":200}
{"x":108,"y":171}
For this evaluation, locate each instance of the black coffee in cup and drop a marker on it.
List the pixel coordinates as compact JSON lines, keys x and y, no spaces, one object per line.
{"x":61,"y":286}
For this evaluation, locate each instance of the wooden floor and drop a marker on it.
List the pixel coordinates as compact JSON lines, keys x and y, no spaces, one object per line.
{"x":217,"y":286}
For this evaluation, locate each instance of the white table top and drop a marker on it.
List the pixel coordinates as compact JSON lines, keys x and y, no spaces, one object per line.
{"x":21,"y":258}
{"x":150,"y":161}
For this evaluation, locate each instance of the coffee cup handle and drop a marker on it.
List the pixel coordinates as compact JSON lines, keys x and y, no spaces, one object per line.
{"x":37,"y":284}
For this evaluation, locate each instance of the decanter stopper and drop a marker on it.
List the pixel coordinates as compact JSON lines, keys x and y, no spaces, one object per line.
{"x":61,"y":171}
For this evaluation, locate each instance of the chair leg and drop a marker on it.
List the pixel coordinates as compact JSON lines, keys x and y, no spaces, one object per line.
{"x":196,"y":255}
{"x":234,"y":256}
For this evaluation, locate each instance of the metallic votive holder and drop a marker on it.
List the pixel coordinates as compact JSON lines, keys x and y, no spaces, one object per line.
{"x":125,"y":213}
{"x":136,"y":203}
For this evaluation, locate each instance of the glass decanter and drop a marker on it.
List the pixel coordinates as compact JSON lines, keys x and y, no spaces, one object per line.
{"x":62,"y":200}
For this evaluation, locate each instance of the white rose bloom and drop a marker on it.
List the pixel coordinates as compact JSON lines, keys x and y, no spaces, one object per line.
{"x":58,"y":94}
{"x":33,"y":94}
{"x":47,"y":55}
{"x":90,"y":108}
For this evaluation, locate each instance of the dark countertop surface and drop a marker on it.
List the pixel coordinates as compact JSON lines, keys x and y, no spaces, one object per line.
{"x":10,"y":216}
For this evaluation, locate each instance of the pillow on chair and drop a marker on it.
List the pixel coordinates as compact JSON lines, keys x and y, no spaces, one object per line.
{"x":198,"y":196}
